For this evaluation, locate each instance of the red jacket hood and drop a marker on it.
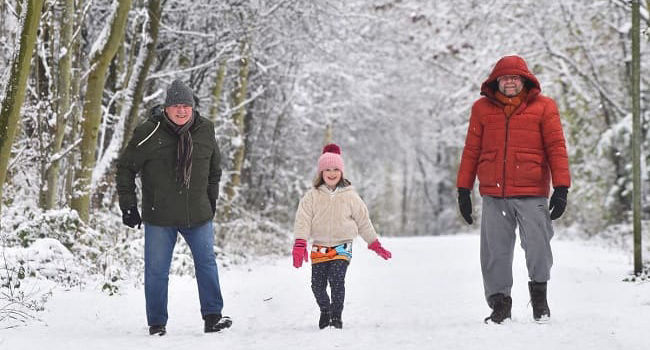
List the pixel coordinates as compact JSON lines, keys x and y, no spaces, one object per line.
{"x":511,"y":65}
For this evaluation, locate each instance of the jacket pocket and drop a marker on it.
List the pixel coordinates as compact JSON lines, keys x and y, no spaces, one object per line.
{"x":200,"y":168}
{"x":528,"y":169}
{"x":487,"y":169}
{"x":160,"y":208}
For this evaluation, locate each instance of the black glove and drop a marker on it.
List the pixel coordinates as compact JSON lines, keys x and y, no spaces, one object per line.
{"x":131,"y":217}
{"x":558,"y":202}
{"x":465,"y":204}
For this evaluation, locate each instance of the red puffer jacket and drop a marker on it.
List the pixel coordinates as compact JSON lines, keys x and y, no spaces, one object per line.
{"x":514,"y":156}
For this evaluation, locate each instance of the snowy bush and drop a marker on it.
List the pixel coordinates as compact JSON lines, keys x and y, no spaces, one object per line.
{"x":263,"y":237}
{"x":117,"y":252}
{"x":27,"y":276}
{"x":249,"y":235}
{"x":63,"y":225}
{"x":43,"y":244}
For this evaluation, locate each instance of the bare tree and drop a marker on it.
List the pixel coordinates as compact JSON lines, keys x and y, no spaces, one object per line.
{"x":15,"y":91}
{"x":48,"y":194}
{"x":636,"y":130}
{"x":100,"y":59}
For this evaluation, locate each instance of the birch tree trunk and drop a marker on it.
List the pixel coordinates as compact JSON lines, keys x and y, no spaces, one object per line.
{"x":217,"y":91}
{"x":92,"y":111}
{"x":42,"y":79}
{"x":636,"y":134}
{"x":75,"y":116}
{"x":155,"y":11}
{"x":134,"y":87}
{"x":328,"y":134}
{"x":238,"y":119}
{"x":405,"y":200}
{"x":15,"y":90}
{"x":48,"y":195}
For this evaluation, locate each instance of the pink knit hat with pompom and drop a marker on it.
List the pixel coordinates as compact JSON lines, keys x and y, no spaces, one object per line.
{"x":331,"y":158}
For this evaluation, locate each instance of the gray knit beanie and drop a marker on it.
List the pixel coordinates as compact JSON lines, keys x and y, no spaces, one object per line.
{"x":179,"y":93}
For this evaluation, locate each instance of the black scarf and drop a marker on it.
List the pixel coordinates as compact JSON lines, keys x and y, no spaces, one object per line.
{"x":184,"y":154}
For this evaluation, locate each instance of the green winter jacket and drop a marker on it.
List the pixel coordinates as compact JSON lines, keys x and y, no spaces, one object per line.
{"x":152,"y":152}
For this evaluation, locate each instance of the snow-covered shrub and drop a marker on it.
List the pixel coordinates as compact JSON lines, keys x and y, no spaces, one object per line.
{"x":63,"y":225}
{"x":245,"y":237}
{"x":57,"y":246}
{"x":44,"y":243}
{"x":27,"y":276}
{"x":248,"y":235}
{"x":117,"y":251}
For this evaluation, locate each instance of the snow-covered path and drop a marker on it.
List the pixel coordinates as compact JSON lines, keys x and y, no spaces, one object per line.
{"x":429,"y":296}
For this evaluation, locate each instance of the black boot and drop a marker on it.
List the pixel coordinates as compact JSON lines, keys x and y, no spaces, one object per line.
{"x":160,"y":330}
{"x":215,"y":323}
{"x":324,"y":320}
{"x":538,"y":300}
{"x":337,"y":322}
{"x":501,"y":308}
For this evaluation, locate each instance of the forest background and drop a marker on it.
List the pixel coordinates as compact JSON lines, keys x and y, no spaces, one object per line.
{"x":391,"y":81}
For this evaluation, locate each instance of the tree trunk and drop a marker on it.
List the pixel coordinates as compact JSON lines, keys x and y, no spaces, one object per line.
{"x":134,"y":87}
{"x":238,"y":119}
{"x":405,"y":199}
{"x":329,"y":134}
{"x":636,"y":134}
{"x":44,"y":91}
{"x":71,"y":158}
{"x":216,"y":92}
{"x":15,"y":90}
{"x":63,"y":108}
{"x":3,"y":15}
{"x":155,"y":11}
{"x":92,"y":112}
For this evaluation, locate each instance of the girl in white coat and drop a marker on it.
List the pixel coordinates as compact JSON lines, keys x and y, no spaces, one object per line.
{"x":331,"y":214}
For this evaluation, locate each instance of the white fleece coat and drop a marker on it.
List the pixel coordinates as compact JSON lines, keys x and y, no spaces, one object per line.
{"x":330,"y":218}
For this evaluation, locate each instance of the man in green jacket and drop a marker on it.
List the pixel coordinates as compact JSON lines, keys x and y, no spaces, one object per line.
{"x":176,"y":154}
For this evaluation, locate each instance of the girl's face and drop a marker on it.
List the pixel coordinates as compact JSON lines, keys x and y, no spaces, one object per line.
{"x":331,"y":177}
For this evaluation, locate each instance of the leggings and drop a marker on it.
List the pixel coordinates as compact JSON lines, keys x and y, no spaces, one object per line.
{"x":334,"y":272}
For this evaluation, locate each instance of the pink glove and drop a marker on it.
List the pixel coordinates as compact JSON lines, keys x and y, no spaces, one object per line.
{"x":377,"y":248}
{"x":299,"y":252}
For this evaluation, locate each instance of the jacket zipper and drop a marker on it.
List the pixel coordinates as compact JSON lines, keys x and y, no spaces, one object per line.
{"x":505,"y":156}
{"x":187,"y":189}
{"x":521,"y":107}
{"x":331,"y":232}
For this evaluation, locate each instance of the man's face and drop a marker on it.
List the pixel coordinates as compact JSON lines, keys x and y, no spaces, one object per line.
{"x":331,"y":177}
{"x":179,"y":114}
{"x":510,"y":85}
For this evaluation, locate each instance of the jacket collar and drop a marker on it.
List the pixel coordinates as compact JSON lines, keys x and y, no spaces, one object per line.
{"x":157,"y":115}
{"x":324,"y":189}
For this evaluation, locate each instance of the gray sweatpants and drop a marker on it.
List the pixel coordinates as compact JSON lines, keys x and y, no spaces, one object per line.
{"x":499,"y":219}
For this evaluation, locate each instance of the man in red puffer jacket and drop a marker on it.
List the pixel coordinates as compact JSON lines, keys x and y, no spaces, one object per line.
{"x":515,"y":145}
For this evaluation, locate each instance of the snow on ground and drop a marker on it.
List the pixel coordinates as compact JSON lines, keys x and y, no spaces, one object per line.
{"x":428,"y":296}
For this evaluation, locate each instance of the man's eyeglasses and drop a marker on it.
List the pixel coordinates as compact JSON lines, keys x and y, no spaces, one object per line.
{"x":506,"y":78}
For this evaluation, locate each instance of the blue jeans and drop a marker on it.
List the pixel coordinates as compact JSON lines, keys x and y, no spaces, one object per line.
{"x":159,"y":244}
